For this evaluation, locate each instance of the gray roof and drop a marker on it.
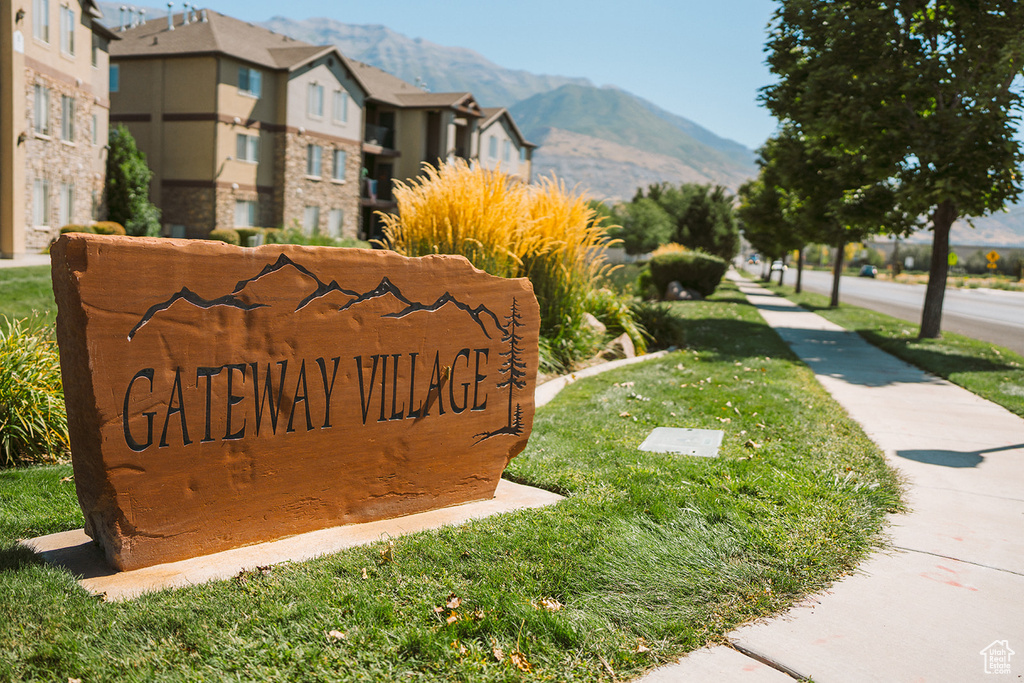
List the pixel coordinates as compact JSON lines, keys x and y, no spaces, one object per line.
{"x":220,"y":34}
{"x":388,"y":89}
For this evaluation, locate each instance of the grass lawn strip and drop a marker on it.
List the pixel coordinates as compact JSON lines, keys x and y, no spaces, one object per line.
{"x":650,"y":556}
{"x":992,"y":372}
{"x":25,"y":291}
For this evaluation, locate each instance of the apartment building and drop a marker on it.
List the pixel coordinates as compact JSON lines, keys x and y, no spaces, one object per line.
{"x":54,"y":108}
{"x":407,"y":126}
{"x":240,"y":125}
{"x":501,"y":144}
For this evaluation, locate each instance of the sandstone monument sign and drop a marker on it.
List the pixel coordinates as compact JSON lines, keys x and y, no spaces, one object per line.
{"x":219,"y":396}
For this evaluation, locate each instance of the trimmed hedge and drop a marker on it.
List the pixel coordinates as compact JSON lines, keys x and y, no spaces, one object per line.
{"x":108,"y":228}
{"x":228,"y":235}
{"x":692,"y":269}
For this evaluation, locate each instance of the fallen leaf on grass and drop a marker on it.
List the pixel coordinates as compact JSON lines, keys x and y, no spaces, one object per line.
{"x":364,"y":574}
{"x":459,"y":647}
{"x":65,"y":480}
{"x":625,"y":415}
{"x":498,"y":653}
{"x":549,"y":604}
{"x":750,"y":443}
{"x":74,"y":680}
{"x":519,"y":659}
{"x":336,"y":635}
{"x":452,"y":618}
{"x":453,"y":601}
{"x":388,"y":554}
{"x":641,"y":646}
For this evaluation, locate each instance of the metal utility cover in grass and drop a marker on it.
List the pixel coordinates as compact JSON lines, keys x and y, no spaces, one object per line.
{"x":703,"y":443}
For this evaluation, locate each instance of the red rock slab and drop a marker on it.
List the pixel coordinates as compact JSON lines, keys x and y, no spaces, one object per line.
{"x":221,"y":396}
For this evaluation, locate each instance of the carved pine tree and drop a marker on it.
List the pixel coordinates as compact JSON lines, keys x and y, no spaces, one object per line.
{"x":513,"y":367}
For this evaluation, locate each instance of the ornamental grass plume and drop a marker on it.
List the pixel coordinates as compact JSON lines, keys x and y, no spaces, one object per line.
{"x":33,"y":422}
{"x":510,"y":229}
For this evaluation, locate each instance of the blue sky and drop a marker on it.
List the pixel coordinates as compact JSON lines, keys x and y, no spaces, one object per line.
{"x":699,"y":59}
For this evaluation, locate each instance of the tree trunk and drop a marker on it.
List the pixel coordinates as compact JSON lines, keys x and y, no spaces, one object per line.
{"x":782,"y":268}
{"x":837,"y":271}
{"x":799,"y":269}
{"x":931,"y":315}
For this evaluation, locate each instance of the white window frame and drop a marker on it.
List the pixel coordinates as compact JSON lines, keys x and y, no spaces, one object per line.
{"x":315,"y":101}
{"x":115,"y":78}
{"x":247,"y":148}
{"x":340,"y":108}
{"x":41,"y":109}
{"x":67,"y":118}
{"x":311,"y":220}
{"x":41,"y":203}
{"x":246,"y":211}
{"x":492,"y":147}
{"x":250,"y":82}
{"x":314,"y":160}
{"x":338,"y":162}
{"x":506,"y":150}
{"x":41,"y":20}
{"x":66,"y":204}
{"x":67,"y":30}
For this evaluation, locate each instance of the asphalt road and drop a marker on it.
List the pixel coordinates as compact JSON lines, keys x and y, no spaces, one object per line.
{"x":991,"y":315}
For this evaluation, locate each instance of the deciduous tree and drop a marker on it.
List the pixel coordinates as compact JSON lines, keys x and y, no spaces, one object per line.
{"x":924,"y":91}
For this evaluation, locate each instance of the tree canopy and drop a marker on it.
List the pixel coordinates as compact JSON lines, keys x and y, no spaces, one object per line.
{"x":922,"y":94}
{"x":128,"y":178}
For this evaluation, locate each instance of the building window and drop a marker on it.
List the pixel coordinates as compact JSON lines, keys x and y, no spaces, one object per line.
{"x":67,"y":30}
{"x":95,"y":51}
{"x":245,"y":213}
{"x":316,"y":100}
{"x":313,"y":160}
{"x":41,"y":20}
{"x":506,"y":150}
{"x":340,"y":106}
{"x":95,"y":129}
{"x":41,"y":110}
{"x":311,"y":220}
{"x":247,"y":148}
{"x":115,"y":77}
{"x":67,"y":118}
{"x":340,"y":159}
{"x":492,"y":146}
{"x":250,"y":81}
{"x":66,"y":208}
{"x":334,"y":221}
{"x":41,"y":202}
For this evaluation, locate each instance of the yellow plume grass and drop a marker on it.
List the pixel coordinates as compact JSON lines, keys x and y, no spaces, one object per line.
{"x":507,"y":228}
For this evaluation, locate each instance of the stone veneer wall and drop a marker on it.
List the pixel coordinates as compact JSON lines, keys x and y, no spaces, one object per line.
{"x":51,"y":158}
{"x":192,"y":207}
{"x":294,"y":190}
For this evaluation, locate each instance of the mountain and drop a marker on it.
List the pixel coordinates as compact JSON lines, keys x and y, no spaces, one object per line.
{"x":575,"y":125}
{"x":437,"y":68}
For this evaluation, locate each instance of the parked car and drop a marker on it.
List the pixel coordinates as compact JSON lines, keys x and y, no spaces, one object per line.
{"x":779,"y":265}
{"x":868,"y":271}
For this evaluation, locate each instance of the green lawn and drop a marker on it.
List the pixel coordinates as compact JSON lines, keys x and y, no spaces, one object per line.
{"x":992,"y":372}
{"x":27,"y":291}
{"x":648,"y":557}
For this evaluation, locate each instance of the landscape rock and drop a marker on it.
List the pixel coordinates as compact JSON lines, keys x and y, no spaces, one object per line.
{"x":220,"y":396}
{"x":676,"y":292}
{"x":620,"y":347}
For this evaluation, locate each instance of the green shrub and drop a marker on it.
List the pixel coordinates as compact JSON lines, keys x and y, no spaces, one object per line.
{"x":295,"y":235}
{"x":660,"y":322}
{"x":33,"y":423}
{"x":692,"y":269}
{"x":76,"y":228}
{"x":246,"y":234}
{"x":108,"y":228}
{"x":228,"y":235}
{"x":614,"y":312}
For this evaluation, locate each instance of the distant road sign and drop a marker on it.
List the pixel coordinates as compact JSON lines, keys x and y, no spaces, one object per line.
{"x":992,"y":257}
{"x":953,"y":258}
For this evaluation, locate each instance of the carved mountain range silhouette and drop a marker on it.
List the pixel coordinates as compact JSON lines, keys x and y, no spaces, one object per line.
{"x":321,"y":289}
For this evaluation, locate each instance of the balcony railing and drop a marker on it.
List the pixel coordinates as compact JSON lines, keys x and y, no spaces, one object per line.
{"x":380,"y":135}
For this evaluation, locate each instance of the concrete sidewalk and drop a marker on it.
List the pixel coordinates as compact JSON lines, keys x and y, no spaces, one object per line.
{"x":946,"y":603}
{"x":25,"y":260}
